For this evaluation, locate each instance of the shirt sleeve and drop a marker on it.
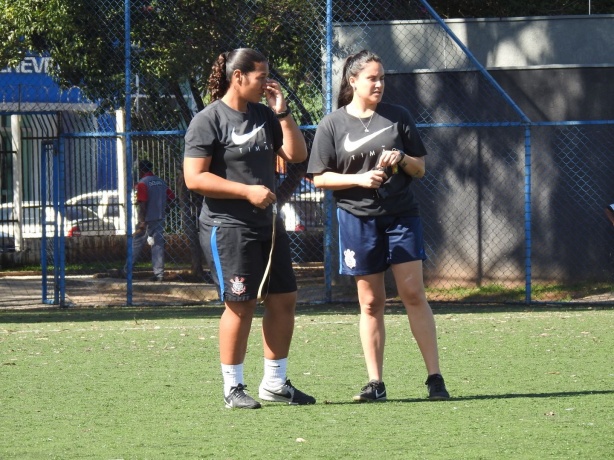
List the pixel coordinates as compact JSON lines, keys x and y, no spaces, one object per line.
{"x":200,"y":137}
{"x":323,"y":155}
{"x":141,"y":192}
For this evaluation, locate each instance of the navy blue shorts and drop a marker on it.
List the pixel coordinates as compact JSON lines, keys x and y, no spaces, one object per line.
{"x":369,"y":245}
{"x":237,"y":258}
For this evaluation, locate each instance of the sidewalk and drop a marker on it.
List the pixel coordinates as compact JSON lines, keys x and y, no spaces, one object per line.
{"x":24,"y":290}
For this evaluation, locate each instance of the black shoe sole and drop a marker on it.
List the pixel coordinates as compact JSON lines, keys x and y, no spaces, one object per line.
{"x":360,"y":399}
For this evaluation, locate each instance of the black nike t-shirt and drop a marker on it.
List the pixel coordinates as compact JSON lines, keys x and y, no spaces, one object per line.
{"x":342,"y":145}
{"x":242,"y":148}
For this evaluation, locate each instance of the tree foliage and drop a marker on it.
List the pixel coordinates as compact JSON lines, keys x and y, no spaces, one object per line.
{"x":173,"y":42}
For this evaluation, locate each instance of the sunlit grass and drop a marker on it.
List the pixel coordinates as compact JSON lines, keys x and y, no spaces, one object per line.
{"x":145,"y":383}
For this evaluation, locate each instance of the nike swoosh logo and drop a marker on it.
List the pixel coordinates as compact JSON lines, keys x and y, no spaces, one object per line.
{"x":286,"y":394}
{"x":350,"y":146}
{"x":379,"y":395}
{"x":239,"y":139}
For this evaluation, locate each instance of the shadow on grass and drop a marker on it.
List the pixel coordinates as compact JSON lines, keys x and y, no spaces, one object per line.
{"x":562,"y":394}
{"x":215,"y":309}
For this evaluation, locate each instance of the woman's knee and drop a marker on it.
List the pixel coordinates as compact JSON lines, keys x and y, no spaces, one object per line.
{"x":413,"y":296}
{"x":372,"y":306}
{"x":242,"y":310}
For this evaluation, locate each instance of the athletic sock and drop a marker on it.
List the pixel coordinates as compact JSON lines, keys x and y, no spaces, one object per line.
{"x":233,"y":375}
{"x":274,"y":372}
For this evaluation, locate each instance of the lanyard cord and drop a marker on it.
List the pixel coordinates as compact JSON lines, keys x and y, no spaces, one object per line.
{"x":268,"y":265}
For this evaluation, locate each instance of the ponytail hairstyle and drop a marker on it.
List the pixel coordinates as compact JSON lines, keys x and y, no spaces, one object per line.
{"x":243,"y":59}
{"x":354,"y":64}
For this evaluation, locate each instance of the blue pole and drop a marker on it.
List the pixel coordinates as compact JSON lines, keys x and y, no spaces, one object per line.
{"x":58,"y":233}
{"x":329,"y":56}
{"x":61,"y":286}
{"x":527,"y":211}
{"x":62,"y":201}
{"x":128,"y":142}
{"x":328,"y":199}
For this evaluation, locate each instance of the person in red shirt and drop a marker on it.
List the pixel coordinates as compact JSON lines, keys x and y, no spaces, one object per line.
{"x":152,"y":197}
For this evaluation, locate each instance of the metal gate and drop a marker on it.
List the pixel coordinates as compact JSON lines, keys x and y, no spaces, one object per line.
{"x":53,"y":263}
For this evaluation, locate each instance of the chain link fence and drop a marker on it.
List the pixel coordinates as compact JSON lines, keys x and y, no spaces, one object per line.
{"x":512,"y":207}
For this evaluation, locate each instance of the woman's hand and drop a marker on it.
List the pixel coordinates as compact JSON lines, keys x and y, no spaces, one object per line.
{"x":397,"y":160}
{"x":260,"y":196}
{"x":274,"y":96}
{"x":390,"y":158}
{"x":372,"y":179}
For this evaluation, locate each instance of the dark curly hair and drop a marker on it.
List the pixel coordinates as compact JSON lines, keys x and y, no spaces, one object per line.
{"x":243,"y":59}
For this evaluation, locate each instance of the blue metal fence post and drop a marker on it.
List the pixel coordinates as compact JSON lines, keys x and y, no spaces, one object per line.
{"x":328,"y":196}
{"x":61,"y":201}
{"x":128,"y":140}
{"x":527,"y":211}
{"x":58,"y":230}
{"x":54,"y":150}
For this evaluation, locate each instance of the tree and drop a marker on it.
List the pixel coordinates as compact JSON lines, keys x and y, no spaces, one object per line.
{"x":173,"y":42}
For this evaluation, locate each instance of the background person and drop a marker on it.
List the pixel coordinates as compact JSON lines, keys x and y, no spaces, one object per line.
{"x":230,"y":154}
{"x":152,"y":197}
{"x":368,"y":153}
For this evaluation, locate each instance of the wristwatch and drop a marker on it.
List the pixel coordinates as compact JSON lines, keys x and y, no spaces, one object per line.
{"x":284,"y":113}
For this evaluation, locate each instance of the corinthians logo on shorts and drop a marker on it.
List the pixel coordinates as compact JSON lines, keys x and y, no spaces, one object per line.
{"x":238,"y":285}
{"x":349,"y":257}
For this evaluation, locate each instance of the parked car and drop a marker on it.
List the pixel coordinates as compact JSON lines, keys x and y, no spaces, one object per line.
{"x":78,"y":221}
{"x":304,"y":210}
{"x":104,"y":203}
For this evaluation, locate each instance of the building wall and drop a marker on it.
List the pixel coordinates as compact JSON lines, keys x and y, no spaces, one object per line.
{"x":555,"y":68}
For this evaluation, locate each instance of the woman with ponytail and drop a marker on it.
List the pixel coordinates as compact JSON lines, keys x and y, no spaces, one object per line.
{"x":368,"y":153}
{"x":230,"y":155}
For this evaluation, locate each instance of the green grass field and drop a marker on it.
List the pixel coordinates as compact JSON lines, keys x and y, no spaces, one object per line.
{"x":144,"y":383}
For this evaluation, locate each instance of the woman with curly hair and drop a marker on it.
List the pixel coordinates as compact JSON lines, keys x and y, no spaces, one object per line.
{"x":230,"y":154}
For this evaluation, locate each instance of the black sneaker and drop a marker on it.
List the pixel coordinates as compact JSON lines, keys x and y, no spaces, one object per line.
{"x":240,"y":399}
{"x":286,"y":393}
{"x":436,"y":387}
{"x":157,"y":278}
{"x":374,"y":391}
